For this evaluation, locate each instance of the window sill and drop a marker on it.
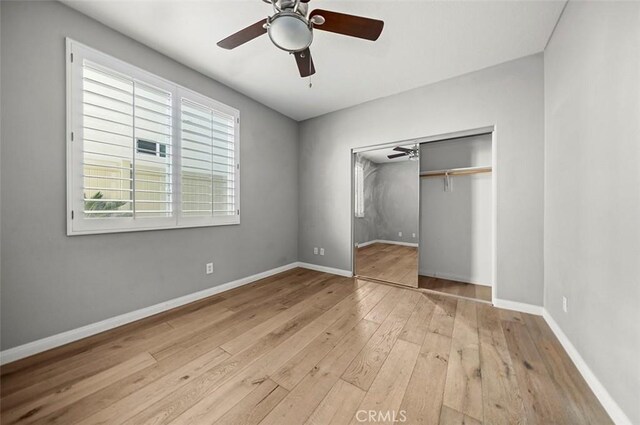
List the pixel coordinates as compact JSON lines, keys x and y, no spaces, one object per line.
{"x":187,"y":225}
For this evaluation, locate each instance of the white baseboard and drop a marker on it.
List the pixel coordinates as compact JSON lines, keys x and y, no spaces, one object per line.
{"x":325,"y":269}
{"x":448,"y":276}
{"x":516,"y":306}
{"x":414,"y":245}
{"x":609,"y":404}
{"x":44,"y":344}
{"x":362,"y":245}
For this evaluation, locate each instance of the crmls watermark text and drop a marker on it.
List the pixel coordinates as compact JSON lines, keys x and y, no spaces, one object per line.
{"x":381,"y":416}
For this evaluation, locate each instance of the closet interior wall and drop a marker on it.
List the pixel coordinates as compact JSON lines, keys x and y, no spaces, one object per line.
{"x":456,"y":215}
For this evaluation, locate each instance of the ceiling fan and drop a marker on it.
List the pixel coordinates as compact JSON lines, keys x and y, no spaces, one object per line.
{"x":411,"y":152}
{"x":291,"y":30}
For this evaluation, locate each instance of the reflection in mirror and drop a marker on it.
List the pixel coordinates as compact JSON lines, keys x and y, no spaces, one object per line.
{"x":386,"y":184}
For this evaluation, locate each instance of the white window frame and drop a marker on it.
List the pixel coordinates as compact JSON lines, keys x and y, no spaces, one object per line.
{"x":77,"y":224}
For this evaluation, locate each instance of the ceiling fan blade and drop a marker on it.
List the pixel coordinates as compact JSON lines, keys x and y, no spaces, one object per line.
{"x":305,"y":63}
{"x":244,"y":35}
{"x":401,"y":149}
{"x":397,"y":155}
{"x":354,"y":26}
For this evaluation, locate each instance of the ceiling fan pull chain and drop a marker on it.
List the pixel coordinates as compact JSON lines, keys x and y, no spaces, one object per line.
{"x":310,"y":65}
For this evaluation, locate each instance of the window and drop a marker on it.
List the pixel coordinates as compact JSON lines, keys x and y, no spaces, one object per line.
{"x":152,"y":148}
{"x":144,"y":153}
{"x":359,"y":189}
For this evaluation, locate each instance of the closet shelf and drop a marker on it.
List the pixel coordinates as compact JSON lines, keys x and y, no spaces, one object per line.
{"x":455,"y":172}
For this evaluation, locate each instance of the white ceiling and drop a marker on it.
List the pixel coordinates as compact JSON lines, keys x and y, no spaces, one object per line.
{"x":422,"y":42}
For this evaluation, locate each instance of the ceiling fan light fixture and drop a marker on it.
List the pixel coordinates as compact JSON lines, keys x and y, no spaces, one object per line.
{"x":290,"y":31}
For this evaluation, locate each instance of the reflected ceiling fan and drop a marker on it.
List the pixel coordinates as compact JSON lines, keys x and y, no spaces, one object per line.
{"x":291,"y":30}
{"x":412,"y":153}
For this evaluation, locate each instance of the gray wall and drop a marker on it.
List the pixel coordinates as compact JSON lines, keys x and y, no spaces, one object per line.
{"x":52,"y":283}
{"x":398,"y":201}
{"x":390,"y":202}
{"x":456,"y":226}
{"x":509,"y":96}
{"x":592,"y":190}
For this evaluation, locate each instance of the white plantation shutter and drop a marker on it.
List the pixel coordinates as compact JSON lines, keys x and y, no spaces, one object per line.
{"x":152,"y":165}
{"x":107,"y":128}
{"x":208,"y":168}
{"x":144,"y":153}
{"x":359,"y":189}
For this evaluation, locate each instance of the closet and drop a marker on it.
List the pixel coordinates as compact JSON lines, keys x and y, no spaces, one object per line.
{"x":423,"y":214}
{"x":456,"y":216}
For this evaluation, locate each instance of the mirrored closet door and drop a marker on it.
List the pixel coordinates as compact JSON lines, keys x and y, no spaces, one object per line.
{"x":386,"y":214}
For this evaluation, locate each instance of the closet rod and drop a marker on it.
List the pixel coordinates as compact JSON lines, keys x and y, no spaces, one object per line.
{"x":455,"y":172}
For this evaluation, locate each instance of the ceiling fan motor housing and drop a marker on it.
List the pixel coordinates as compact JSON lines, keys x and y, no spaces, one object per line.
{"x":289,"y":5}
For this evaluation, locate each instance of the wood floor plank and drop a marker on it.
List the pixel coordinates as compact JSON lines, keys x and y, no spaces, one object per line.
{"x":271,"y":287}
{"x":388,"y":388}
{"x":415,"y":330}
{"x":423,"y":398}
{"x":301,"y":294}
{"x":541,"y":398}
{"x":298,"y":405}
{"x":138,"y":401}
{"x":214,"y":402}
{"x":363,"y":369}
{"x":29,"y":412}
{"x":443,"y":317}
{"x":450,"y":416}
{"x":173,"y":405}
{"x":109,"y":399}
{"x":579,"y":398}
{"x":254,"y":407}
{"x":502,"y":403}
{"x":217,"y":334}
{"x":339,"y":406}
{"x":463,"y":389}
{"x":384,"y":308}
{"x":252,"y":314}
{"x":202,"y":317}
{"x":322,"y":298}
{"x":81,"y":366}
{"x":295,"y":369}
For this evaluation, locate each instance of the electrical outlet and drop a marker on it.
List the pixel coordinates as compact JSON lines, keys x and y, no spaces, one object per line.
{"x":564,"y":304}
{"x":400,"y":234}
{"x":209,"y":268}
{"x":413,"y":235}
{"x":321,"y":251}
{"x":315,"y":250}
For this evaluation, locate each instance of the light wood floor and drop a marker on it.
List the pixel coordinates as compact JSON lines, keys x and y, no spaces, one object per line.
{"x":388,"y":262}
{"x":399,"y":264}
{"x":469,"y":290}
{"x":305,"y":347}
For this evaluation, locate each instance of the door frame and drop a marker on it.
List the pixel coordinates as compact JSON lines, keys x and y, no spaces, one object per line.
{"x":438,"y":138}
